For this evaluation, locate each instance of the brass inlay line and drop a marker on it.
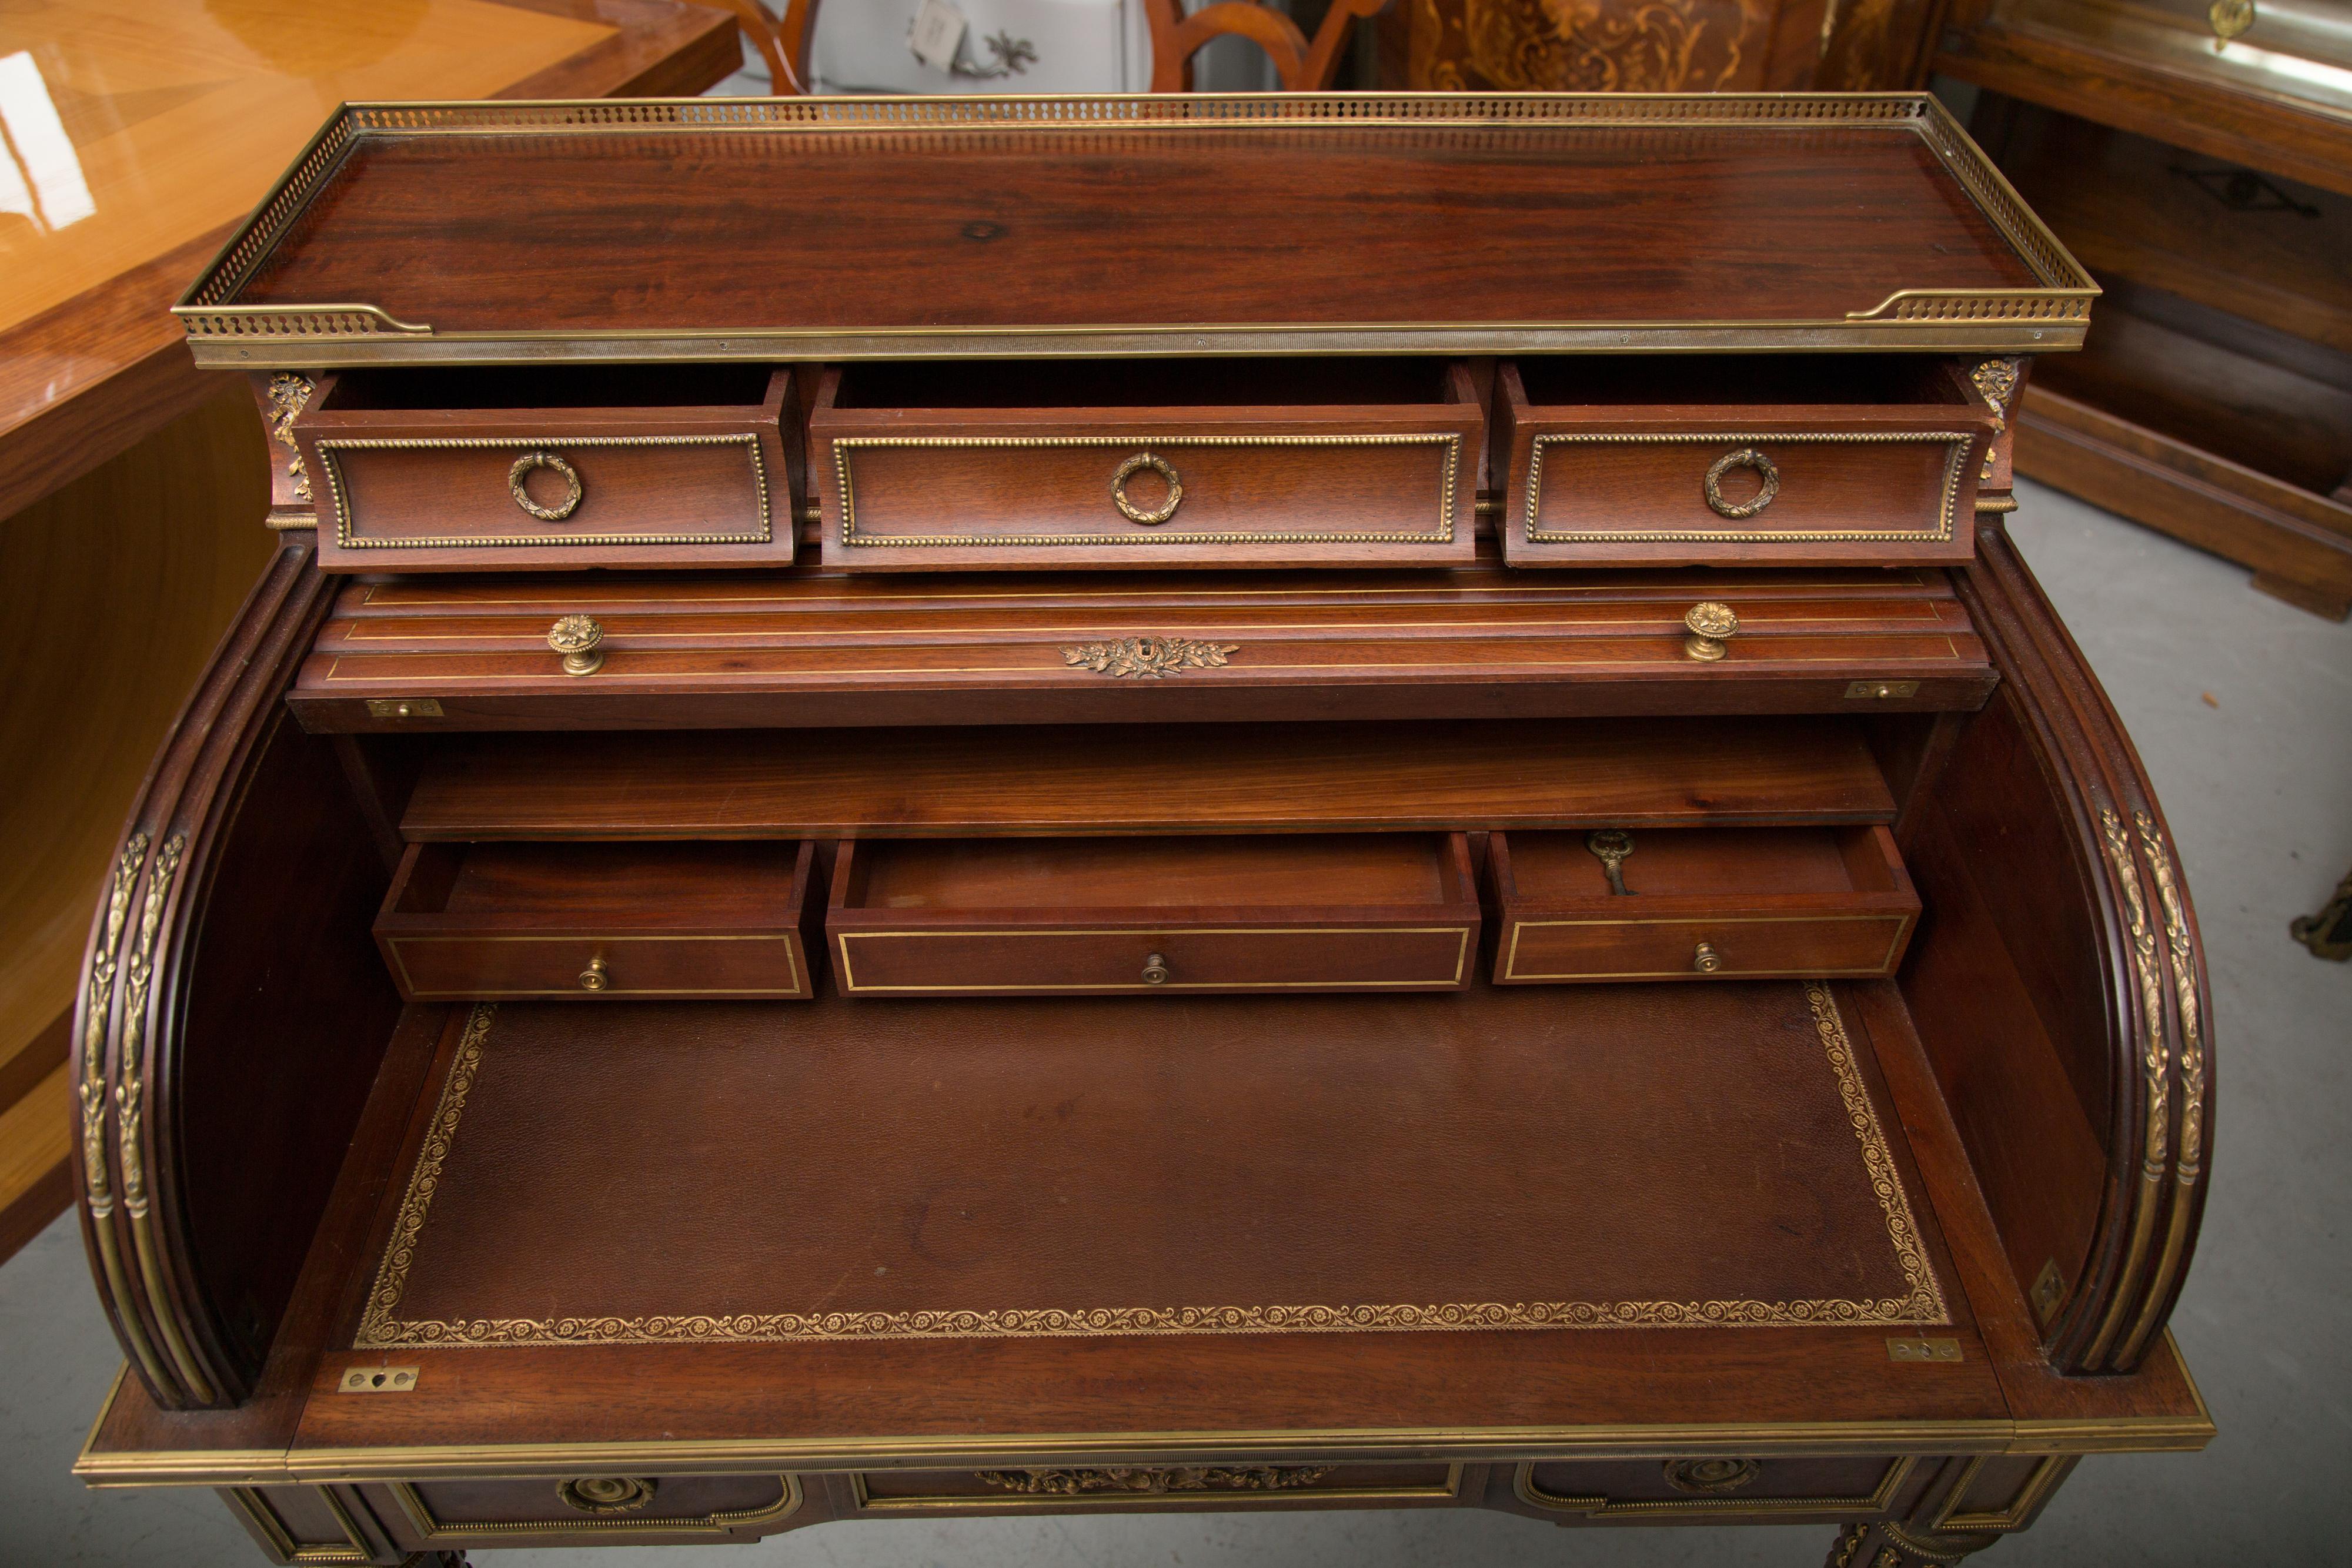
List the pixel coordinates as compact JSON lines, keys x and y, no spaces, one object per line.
{"x":792,"y":964}
{"x":1443,"y":532}
{"x":379,"y":1327}
{"x":329,"y":447}
{"x":1955,"y":471}
{"x":1890,"y":1484}
{"x":1460,"y":959}
{"x":2020,"y":1507}
{"x":1971,"y":1435}
{"x":1511,"y":957}
{"x":354,"y":1547}
{"x":724,"y":1525}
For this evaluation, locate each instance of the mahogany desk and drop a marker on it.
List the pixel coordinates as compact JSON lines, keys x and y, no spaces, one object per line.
{"x":137,"y":131}
{"x":897,"y":834}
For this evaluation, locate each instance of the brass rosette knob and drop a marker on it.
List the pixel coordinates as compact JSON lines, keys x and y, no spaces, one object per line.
{"x":1712,"y":625}
{"x":581,"y":641}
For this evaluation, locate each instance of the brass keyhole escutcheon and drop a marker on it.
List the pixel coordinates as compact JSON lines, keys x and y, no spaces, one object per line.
{"x":1705,"y":959}
{"x":595,"y":976}
{"x":2230,"y":17}
{"x":1134,"y":513}
{"x":1767,"y":479}
{"x":1155,"y":970}
{"x":581,"y":640}
{"x":528,"y":462}
{"x":1712,"y":625}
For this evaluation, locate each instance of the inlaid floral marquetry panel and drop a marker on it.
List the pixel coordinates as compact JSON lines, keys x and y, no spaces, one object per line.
{"x":1665,"y":45}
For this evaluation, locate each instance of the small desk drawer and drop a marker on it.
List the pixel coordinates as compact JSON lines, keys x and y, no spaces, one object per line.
{"x":1113,"y":464}
{"x":1777,"y":460}
{"x":1699,"y":903}
{"x":624,"y":922}
{"x":1031,"y":916}
{"x":515,"y":468}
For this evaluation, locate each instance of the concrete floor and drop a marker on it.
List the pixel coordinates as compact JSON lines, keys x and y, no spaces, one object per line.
{"x":2242,"y":709}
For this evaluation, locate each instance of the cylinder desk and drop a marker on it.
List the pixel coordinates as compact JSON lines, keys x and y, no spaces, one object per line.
{"x":1041,"y":805}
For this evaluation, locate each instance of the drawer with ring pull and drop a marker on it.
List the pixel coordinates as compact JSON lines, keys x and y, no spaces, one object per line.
{"x":1158,"y":916}
{"x":708,"y":919}
{"x":1177,"y":463}
{"x":532,"y":468}
{"x":1698,"y":904}
{"x":1789,"y":460}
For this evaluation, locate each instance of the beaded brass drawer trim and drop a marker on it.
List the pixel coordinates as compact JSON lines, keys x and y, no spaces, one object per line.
{"x":1448,"y":507}
{"x":329,"y":446}
{"x":380,"y":1326}
{"x":1954,"y":469}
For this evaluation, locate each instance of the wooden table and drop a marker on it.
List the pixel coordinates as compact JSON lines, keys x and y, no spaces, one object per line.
{"x":133,"y":484}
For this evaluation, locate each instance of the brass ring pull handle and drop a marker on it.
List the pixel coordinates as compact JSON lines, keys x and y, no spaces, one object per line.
{"x":1767,"y":479}
{"x":1155,"y":970}
{"x":581,"y":641}
{"x":1134,"y":513}
{"x":522,"y":468}
{"x":595,"y":976}
{"x":1705,"y":959}
{"x":1712,"y":625}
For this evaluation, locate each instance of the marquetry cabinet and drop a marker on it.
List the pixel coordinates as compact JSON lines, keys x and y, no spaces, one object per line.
{"x":1005,"y":879}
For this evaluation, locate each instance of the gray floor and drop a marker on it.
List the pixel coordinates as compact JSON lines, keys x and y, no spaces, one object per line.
{"x":2242,"y":709}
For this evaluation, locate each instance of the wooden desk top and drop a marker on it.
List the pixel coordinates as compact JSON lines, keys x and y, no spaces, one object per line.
{"x":977,"y":226}
{"x":139,"y":129}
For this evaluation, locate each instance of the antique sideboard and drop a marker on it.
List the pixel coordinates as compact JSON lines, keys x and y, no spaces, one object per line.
{"x":971,"y":806}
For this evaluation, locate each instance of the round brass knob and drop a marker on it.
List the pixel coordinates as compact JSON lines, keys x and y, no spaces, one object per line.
{"x":1706,"y":960}
{"x":1712,"y":624}
{"x":1155,"y":970}
{"x":524,"y":466}
{"x":595,"y":976}
{"x":1133,"y":513}
{"x":2230,"y":17}
{"x":1767,"y":483}
{"x":580,"y":641}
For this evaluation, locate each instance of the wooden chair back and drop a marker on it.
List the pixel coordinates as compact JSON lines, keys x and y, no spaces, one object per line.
{"x":1303,"y":66}
{"x":782,"y":41}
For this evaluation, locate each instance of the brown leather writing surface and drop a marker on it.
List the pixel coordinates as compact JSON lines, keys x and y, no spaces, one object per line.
{"x":1707,"y":1158}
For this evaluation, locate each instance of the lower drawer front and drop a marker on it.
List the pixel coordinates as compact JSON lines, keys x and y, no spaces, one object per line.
{"x":1153,"y":1486}
{"x":587,"y":1509}
{"x":1144,"y":959}
{"x":1727,"y":1486}
{"x":1701,"y":947}
{"x":466,"y":966}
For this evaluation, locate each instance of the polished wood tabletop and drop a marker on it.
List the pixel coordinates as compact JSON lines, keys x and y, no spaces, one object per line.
{"x":137,"y":130}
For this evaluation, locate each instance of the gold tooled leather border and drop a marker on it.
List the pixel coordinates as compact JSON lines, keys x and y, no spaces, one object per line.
{"x":1924,"y":1303}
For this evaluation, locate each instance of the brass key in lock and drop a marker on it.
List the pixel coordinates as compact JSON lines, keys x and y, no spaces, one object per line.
{"x":1612,"y":845}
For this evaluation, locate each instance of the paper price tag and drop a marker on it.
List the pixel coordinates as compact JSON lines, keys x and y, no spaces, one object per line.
{"x":936,"y":34}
